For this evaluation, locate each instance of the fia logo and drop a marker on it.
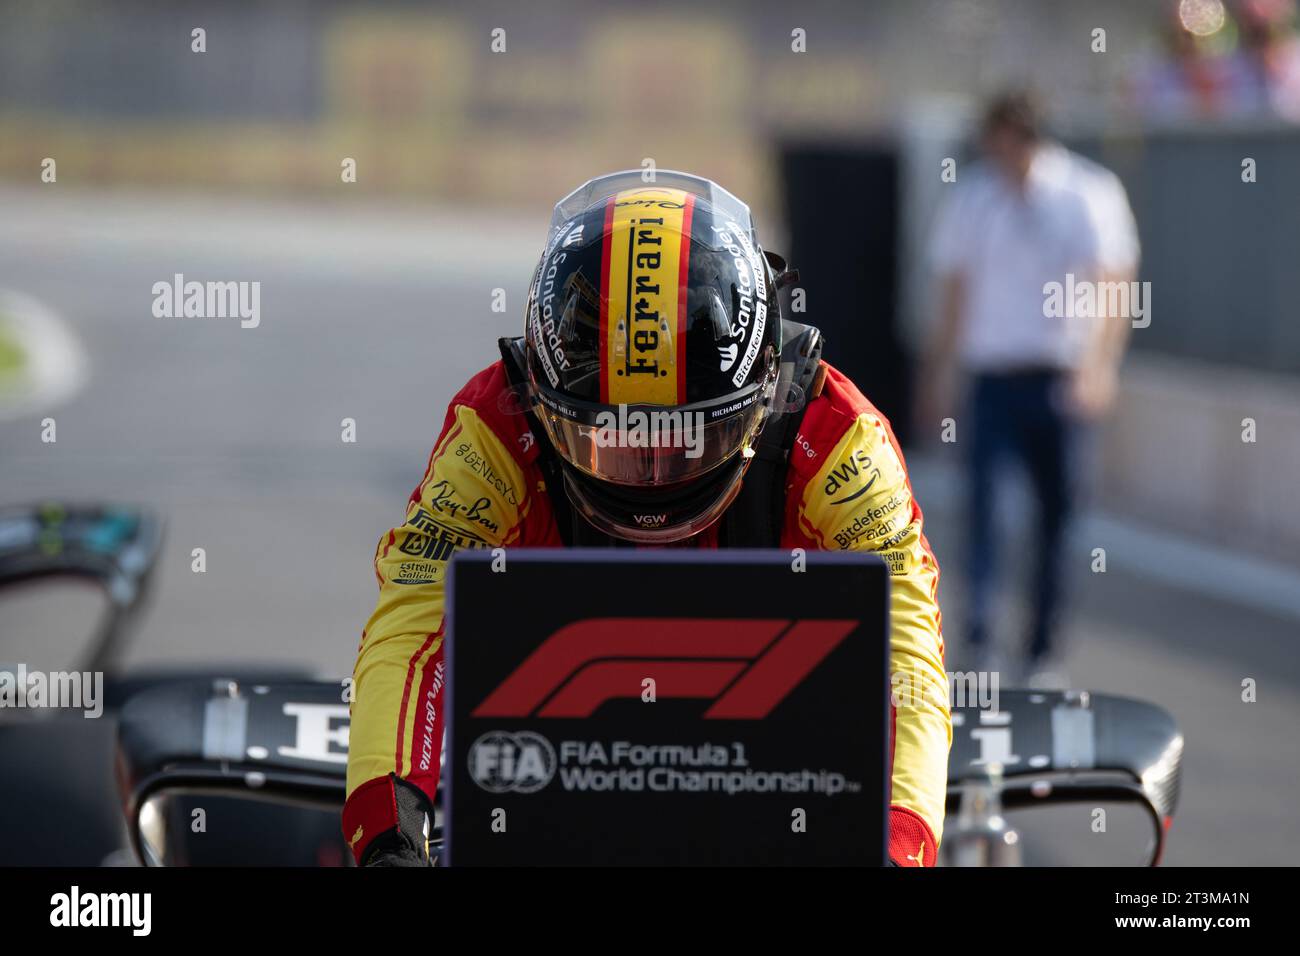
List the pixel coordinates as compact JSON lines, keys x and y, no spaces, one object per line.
{"x":502,"y":762}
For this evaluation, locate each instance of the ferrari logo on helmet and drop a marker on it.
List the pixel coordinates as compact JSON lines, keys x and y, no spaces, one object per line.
{"x":643,"y":311}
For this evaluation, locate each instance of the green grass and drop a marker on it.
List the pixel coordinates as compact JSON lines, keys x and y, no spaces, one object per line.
{"x":13,"y":358}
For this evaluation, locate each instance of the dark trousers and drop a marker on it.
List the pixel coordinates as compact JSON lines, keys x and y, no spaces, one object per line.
{"x":1020,"y":417}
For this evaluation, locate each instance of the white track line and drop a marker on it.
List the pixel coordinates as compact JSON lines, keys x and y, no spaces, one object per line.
{"x":1195,"y":566}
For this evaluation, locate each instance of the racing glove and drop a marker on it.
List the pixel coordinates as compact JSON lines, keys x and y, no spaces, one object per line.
{"x":911,"y":843}
{"x":406,"y":844}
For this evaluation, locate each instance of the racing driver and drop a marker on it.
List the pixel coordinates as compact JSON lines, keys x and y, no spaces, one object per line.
{"x":650,"y":298}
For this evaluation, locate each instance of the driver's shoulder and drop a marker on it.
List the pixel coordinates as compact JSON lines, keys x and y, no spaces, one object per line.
{"x":840,"y":412}
{"x":487,"y":406}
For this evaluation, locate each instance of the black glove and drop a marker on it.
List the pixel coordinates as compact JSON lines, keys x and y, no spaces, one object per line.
{"x":407,"y":844}
{"x":402,"y":855}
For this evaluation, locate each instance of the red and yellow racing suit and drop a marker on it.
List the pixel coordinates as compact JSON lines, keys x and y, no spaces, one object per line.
{"x":846,"y":488}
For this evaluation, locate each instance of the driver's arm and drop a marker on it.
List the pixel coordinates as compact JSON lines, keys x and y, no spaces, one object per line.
{"x":861,"y":500}
{"x":472,"y":496}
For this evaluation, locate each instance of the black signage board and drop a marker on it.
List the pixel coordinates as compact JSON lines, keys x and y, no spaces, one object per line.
{"x":649,"y":707}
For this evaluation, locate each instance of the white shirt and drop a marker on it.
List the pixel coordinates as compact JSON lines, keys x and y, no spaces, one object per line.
{"x":1071,"y":218}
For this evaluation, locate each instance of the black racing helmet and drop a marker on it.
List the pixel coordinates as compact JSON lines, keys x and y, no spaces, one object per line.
{"x":653,"y":336}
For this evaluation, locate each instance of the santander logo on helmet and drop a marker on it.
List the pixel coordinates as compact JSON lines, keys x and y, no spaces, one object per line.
{"x":750,"y":291}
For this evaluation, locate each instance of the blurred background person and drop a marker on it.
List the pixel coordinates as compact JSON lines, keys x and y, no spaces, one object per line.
{"x":1263,"y":73}
{"x":1033,"y":214}
{"x":1191,"y":79}
{"x":1222,"y":62}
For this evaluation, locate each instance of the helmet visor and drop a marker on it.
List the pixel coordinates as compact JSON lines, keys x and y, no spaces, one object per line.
{"x":648,"y":445}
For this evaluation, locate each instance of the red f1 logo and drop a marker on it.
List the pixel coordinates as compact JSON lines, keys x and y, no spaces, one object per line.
{"x":748,"y":665}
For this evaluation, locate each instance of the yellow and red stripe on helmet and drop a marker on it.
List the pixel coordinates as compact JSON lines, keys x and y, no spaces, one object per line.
{"x":645,"y":260}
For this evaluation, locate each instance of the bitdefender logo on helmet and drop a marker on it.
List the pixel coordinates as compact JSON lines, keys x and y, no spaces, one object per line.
{"x":634,"y":428}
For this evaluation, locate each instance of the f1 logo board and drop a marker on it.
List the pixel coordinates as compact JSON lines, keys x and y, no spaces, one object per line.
{"x":666,"y":707}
